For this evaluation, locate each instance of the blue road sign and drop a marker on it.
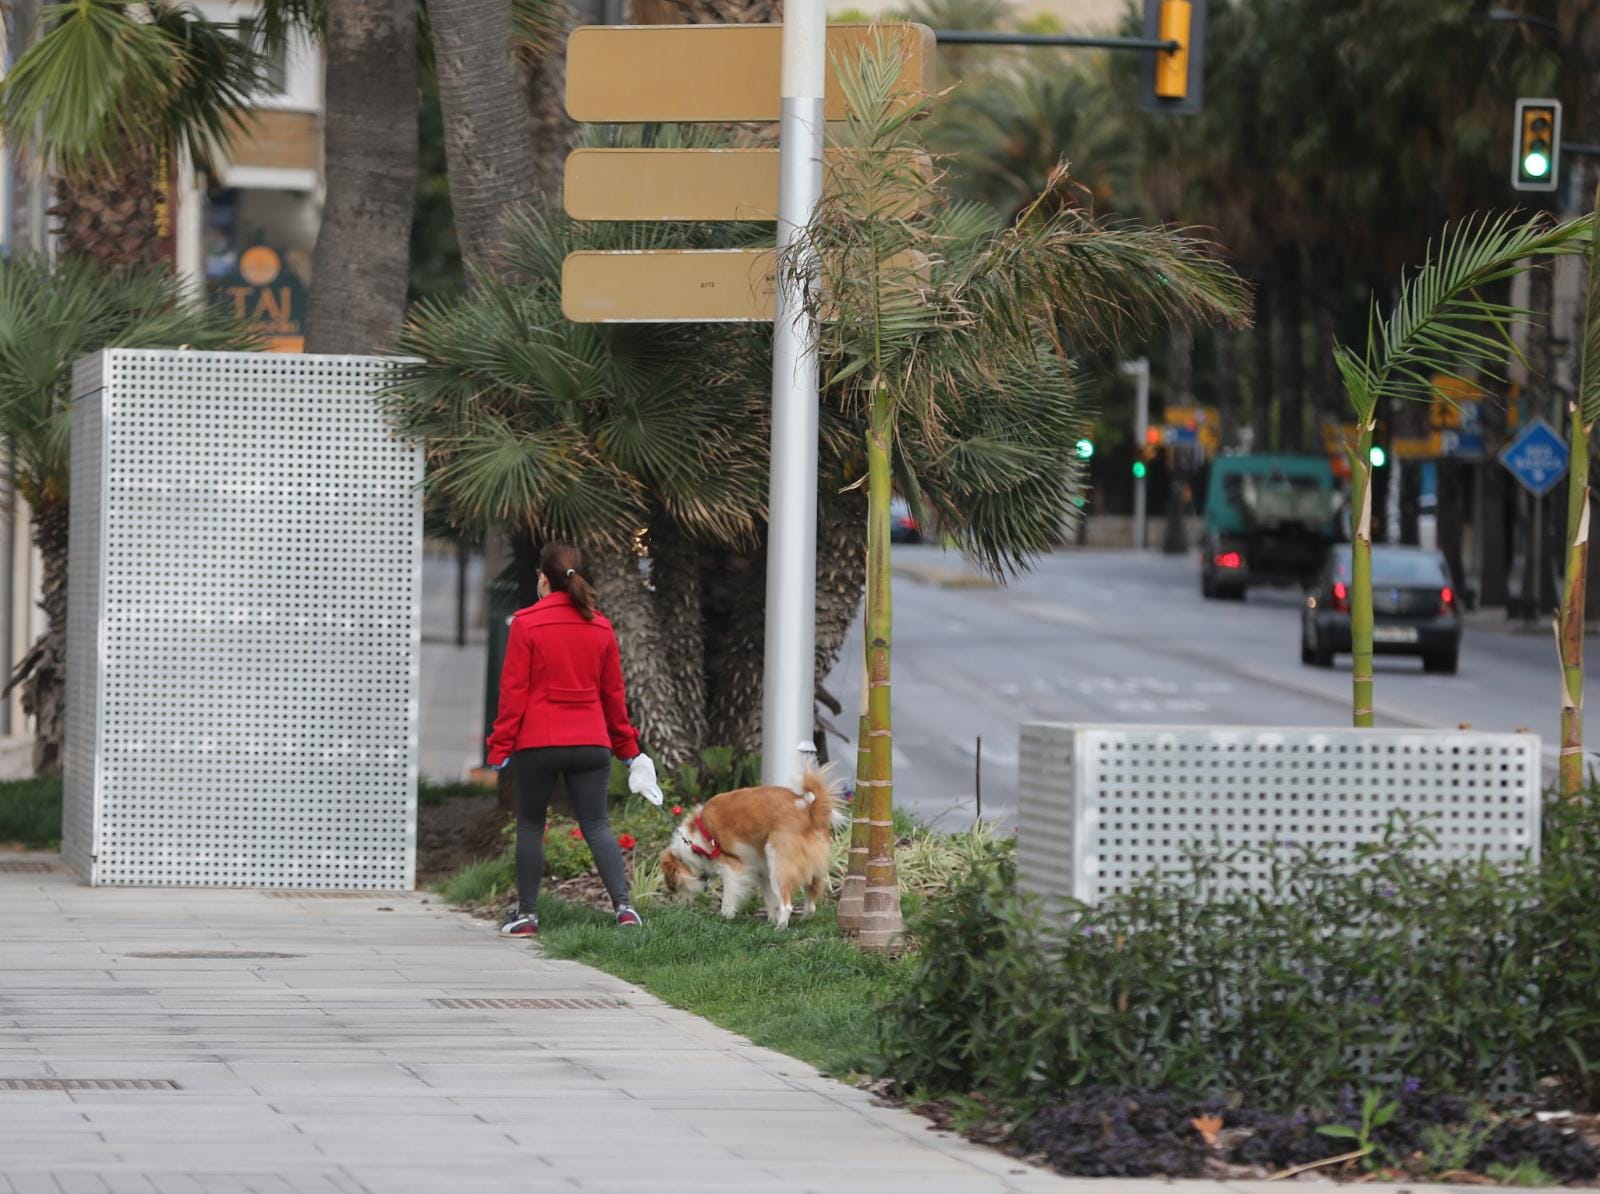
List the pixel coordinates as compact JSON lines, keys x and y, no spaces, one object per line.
{"x":1537,"y":458}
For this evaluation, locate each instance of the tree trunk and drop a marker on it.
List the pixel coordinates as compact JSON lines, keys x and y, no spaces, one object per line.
{"x":735,"y":606}
{"x":1261,"y":381}
{"x":1449,"y":515}
{"x":487,"y":147}
{"x":882,"y":927}
{"x":1361,"y":577}
{"x":115,"y":214}
{"x":676,"y":581}
{"x":1291,"y":358}
{"x":853,"y":891}
{"x":43,"y":671}
{"x":550,"y":129}
{"x":361,"y":265}
{"x":1227,"y":387}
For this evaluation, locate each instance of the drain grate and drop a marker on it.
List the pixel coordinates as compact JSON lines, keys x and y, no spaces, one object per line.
{"x":574,"y":1003}
{"x":27,"y":868}
{"x":211,"y":953}
{"x":294,"y":894}
{"x":88,"y":1084}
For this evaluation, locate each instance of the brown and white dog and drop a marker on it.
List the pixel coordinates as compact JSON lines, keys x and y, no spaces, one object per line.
{"x":768,"y":840}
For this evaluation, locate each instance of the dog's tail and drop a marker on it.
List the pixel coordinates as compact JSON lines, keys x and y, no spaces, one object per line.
{"x":818,"y":792}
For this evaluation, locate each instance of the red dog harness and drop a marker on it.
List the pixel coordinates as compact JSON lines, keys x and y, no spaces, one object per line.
{"x":714,"y":852}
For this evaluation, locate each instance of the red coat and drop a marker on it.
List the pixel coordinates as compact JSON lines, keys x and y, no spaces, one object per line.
{"x":561,"y":684}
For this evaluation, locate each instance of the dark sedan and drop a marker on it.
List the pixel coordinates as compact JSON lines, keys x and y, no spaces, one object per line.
{"x":1414,"y":609}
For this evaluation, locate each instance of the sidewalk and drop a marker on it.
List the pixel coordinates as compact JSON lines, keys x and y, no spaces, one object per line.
{"x":307,"y":1051}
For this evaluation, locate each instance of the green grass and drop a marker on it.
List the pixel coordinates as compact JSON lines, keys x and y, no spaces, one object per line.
{"x":432,"y":792}
{"x":30,"y":812}
{"x":803,"y":991}
{"x":481,"y":882}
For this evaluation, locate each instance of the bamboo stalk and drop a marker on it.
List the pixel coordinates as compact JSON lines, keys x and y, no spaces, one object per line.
{"x":882,"y":927}
{"x":852,"y":892}
{"x":1569,"y":621}
{"x":1361,"y":578}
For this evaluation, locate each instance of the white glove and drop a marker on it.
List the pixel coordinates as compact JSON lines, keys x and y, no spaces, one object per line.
{"x":642,"y":779}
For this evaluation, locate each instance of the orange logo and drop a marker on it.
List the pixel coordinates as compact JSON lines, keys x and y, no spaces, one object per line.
{"x":259,"y":266}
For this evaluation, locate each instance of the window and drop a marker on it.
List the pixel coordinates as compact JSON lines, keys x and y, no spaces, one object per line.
{"x":275,"y":74}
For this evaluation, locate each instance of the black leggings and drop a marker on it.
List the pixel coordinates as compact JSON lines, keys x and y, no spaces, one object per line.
{"x":587,"y":771}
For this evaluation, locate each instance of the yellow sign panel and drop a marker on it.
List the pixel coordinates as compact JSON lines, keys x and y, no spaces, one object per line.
{"x":669,"y":286}
{"x":688,"y":184}
{"x":682,"y":74}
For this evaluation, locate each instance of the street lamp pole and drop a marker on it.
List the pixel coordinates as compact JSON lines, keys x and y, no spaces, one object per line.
{"x":1140,"y":370}
{"x":789,"y":667}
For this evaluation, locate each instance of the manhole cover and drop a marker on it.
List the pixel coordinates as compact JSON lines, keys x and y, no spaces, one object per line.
{"x":576,"y":1003}
{"x":211,"y":953}
{"x":27,"y":868}
{"x":330,"y":895}
{"x":88,"y":1084}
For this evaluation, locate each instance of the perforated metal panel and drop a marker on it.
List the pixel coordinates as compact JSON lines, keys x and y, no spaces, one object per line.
{"x":1102,"y":806}
{"x":244,"y":624}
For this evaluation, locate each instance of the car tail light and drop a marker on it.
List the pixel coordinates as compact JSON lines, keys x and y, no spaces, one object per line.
{"x":1447,"y":600}
{"x":1341,"y":596}
{"x":1228,"y":559}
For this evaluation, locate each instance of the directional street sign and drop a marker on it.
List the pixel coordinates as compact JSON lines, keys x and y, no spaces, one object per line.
{"x":1537,"y":458}
{"x":669,"y":286}
{"x":686,"y":74}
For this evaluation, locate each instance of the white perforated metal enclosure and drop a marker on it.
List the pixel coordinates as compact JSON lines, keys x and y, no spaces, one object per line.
{"x":1100,"y":807}
{"x":243,"y":624}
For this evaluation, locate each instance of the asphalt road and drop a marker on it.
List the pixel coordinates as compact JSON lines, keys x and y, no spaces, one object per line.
{"x":1121,"y":637}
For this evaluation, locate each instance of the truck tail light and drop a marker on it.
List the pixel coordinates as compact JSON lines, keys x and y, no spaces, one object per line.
{"x":1341,"y":596}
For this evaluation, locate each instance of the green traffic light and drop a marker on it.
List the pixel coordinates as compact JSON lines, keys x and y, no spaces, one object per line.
{"x":1085,"y":449}
{"x":1138,"y":469}
{"x":1378,"y":456}
{"x":1536,"y":164}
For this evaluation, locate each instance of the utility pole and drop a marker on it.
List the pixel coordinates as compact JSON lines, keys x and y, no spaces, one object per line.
{"x":1140,"y":371}
{"x":789,"y":679}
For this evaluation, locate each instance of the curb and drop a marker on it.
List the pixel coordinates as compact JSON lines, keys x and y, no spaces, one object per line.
{"x":942,"y":578}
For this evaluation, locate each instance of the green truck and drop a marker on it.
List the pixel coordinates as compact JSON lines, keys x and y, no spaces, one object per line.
{"x":1269,"y":521}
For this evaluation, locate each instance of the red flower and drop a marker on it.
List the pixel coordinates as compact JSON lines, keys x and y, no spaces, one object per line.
{"x":677,"y":810}
{"x":627,"y":841}
{"x":574,"y":832}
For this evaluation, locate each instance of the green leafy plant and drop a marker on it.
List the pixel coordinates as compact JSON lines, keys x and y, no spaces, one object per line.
{"x":1524,"y":1173}
{"x":1376,"y":1112}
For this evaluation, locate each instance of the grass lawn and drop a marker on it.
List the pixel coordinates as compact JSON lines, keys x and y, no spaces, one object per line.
{"x":803,"y":991}
{"x":30,"y":812}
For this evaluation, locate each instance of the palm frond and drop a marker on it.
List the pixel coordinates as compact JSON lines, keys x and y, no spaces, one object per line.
{"x":1441,"y":323}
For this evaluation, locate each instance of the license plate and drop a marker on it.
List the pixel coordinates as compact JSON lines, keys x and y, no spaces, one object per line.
{"x":1394,"y":634}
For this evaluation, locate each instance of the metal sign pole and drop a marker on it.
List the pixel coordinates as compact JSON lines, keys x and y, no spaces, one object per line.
{"x":1140,"y":369}
{"x":789,"y":671}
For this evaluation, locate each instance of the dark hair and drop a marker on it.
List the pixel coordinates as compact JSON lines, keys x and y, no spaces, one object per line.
{"x":562,"y":566}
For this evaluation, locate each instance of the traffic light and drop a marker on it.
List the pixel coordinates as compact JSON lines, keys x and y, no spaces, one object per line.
{"x":1085,"y":448}
{"x":1378,"y":456}
{"x":1138,"y":470}
{"x":1536,"y":165}
{"x":1171,"y":80}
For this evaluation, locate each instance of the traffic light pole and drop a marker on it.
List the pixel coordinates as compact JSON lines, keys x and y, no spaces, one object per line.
{"x":1140,"y":370}
{"x":789,"y":670}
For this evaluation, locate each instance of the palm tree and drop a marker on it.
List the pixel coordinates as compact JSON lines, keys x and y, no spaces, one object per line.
{"x":930,"y":310}
{"x":50,"y":316}
{"x":1440,"y":323}
{"x":110,"y":92}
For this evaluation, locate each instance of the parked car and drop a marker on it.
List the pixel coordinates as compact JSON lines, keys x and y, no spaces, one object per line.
{"x":902,"y":527}
{"x":1415,"y":610}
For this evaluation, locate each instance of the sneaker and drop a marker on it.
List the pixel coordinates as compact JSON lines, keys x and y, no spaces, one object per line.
{"x":627,"y":918}
{"x":521,"y":924}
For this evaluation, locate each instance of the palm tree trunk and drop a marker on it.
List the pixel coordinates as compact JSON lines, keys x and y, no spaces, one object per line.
{"x":112,"y":214}
{"x":486,"y":141}
{"x":1569,"y":622}
{"x":1261,"y":381}
{"x":43,"y":671}
{"x":882,"y":927}
{"x":1361,"y":577}
{"x":361,"y":265}
{"x":1574,"y":585}
{"x":853,"y":892}
{"x":550,"y":129}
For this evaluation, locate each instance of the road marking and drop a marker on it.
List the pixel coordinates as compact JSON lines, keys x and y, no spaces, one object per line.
{"x":1046,"y":612}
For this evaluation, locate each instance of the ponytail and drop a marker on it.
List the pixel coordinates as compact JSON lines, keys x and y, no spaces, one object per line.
{"x":562,"y":565}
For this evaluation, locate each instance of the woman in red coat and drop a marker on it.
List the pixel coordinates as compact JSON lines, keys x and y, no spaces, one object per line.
{"x":563,"y":714}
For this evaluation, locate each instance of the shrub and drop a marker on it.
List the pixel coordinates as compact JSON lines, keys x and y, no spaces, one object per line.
{"x":1456,"y":975}
{"x":30,"y":812}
